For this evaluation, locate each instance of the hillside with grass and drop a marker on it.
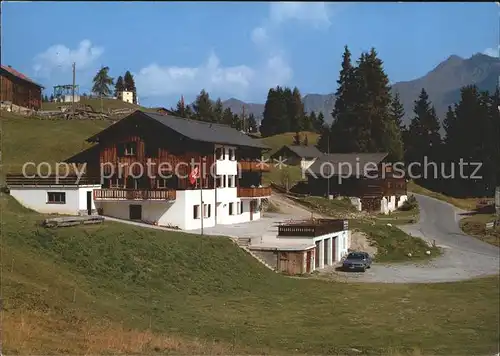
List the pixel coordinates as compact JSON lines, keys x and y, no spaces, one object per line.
{"x":277,"y":141}
{"x":35,"y":140}
{"x":115,"y":288}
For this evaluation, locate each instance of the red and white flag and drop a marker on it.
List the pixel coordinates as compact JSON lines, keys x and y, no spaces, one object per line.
{"x":194,"y":175}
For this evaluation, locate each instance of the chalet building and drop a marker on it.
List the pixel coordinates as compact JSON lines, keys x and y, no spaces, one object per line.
{"x":170,"y":171}
{"x":364,"y":177}
{"x":18,"y":89}
{"x":297,"y":155}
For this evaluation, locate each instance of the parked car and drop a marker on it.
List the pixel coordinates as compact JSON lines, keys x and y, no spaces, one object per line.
{"x":356,"y":261}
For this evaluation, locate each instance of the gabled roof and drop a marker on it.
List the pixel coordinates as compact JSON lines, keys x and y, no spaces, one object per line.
{"x":346,"y":163}
{"x":19,"y":75}
{"x":195,"y":130}
{"x":303,"y":151}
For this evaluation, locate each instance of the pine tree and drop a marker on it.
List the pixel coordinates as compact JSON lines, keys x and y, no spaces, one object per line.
{"x":180,"y":110}
{"x":217,"y":111}
{"x":202,"y":107}
{"x":323,"y":140}
{"x":423,"y":138}
{"x":102,"y":81}
{"x":252,"y":123}
{"x":237,"y":123}
{"x":275,"y":118}
{"x":129,"y":84}
{"x":296,"y":139}
{"x":342,"y":113}
{"x":319,"y":122}
{"x":227,"y":117}
{"x":119,"y":86}
{"x":398,"y":112}
{"x":295,"y":109}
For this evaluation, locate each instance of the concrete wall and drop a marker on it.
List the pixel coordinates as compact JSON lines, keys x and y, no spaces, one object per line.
{"x":270,"y":257}
{"x":36,"y":198}
{"x":180,"y":213}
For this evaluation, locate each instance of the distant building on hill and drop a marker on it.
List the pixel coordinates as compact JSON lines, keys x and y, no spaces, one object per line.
{"x":126,"y":96}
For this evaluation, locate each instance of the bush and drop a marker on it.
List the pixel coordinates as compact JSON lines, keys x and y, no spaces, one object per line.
{"x":410,"y":204}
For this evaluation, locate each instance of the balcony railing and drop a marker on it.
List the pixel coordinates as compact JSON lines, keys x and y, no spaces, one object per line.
{"x":37,"y":180}
{"x":312,"y":228}
{"x":134,"y":194}
{"x":254,"y":192}
{"x":254,"y":166}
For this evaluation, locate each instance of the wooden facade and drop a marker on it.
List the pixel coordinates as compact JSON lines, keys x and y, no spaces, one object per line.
{"x":19,"y":89}
{"x":163,"y":159}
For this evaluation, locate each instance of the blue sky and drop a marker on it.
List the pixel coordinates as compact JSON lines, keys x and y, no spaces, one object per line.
{"x":236,"y":49}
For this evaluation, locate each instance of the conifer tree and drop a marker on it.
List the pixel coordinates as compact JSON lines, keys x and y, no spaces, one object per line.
{"x":218,"y":110}
{"x":252,"y":123}
{"x":227,"y":117}
{"x":119,"y":86}
{"x":202,"y":107}
{"x":129,"y":84}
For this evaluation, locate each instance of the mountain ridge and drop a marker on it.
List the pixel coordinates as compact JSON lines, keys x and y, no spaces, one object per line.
{"x":442,"y":83}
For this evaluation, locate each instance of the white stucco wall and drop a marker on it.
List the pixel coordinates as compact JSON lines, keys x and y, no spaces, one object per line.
{"x":36,"y":198}
{"x":225,"y":166}
{"x":180,"y":212}
{"x":306,"y":163}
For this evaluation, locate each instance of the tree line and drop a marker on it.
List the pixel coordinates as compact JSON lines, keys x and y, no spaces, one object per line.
{"x":103,"y":82}
{"x":368,"y":118}
{"x":205,"y":109}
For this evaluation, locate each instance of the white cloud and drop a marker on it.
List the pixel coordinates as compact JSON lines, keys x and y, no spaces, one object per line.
{"x":240,"y":80}
{"x":60,"y":58}
{"x":259,"y":35}
{"x":492,"y":52}
{"x":316,"y":14}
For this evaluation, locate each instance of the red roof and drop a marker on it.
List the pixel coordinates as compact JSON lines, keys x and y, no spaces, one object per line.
{"x":19,"y":75}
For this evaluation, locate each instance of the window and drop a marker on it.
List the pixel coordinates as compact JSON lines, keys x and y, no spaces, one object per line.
{"x":223,"y":181}
{"x":231,"y":211}
{"x":219,"y":152}
{"x":56,"y":198}
{"x":206,"y":212}
{"x":232,"y":154}
{"x":241,"y":208}
{"x":196,"y":211}
{"x":115,"y":183}
{"x":231,"y":181}
{"x":129,"y":149}
{"x":238,"y":209}
{"x":161,"y":183}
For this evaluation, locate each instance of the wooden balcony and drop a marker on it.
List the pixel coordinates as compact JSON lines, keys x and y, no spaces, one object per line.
{"x":254,"y":166}
{"x":15,"y":180}
{"x":312,"y":228}
{"x":254,"y":192}
{"x":134,"y":194}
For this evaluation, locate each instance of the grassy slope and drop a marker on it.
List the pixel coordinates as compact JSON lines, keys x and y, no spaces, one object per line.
{"x":277,"y":141}
{"x":94,"y":289}
{"x":465,"y":204}
{"x":35,"y":140}
{"x":294,"y":173}
{"x":393,"y":244}
{"x":475,"y":225}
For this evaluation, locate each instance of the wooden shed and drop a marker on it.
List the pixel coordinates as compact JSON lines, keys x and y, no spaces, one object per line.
{"x":19,"y":90}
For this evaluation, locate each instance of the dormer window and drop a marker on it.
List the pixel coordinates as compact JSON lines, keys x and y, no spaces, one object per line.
{"x":129,"y":149}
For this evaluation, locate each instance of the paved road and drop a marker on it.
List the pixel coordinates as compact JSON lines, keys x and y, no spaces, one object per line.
{"x":464,"y":257}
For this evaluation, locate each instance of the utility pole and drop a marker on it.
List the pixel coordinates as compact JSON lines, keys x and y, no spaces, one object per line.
{"x":202,"y":207}
{"x":328,"y":151}
{"x":243,"y":119}
{"x":73,"y":91}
